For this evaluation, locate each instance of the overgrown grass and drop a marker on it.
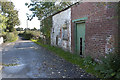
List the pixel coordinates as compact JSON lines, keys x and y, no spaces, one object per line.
{"x":84,"y":63}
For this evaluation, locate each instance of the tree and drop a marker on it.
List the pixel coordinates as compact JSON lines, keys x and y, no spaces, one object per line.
{"x":3,"y":19}
{"x":8,"y":10}
{"x":34,"y":28}
{"x":45,"y":9}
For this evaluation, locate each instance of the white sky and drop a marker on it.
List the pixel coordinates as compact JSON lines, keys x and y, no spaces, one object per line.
{"x":20,"y":6}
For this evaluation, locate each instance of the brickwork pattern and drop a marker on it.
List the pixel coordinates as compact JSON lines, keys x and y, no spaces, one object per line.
{"x":100,"y":25}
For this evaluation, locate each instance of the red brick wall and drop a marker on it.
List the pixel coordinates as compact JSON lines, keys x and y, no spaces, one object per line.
{"x":101,"y":23}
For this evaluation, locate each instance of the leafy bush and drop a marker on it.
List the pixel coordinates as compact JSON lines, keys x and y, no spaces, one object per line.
{"x":35,"y":34}
{"x":31,"y":35}
{"x":89,"y":65}
{"x":15,"y":33}
{"x":88,"y":61}
{"x":27,"y":36}
{"x":41,"y":40}
{"x":10,"y":36}
{"x":110,"y":66}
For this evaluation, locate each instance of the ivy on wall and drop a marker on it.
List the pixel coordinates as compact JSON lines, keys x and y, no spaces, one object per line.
{"x":46,"y":28}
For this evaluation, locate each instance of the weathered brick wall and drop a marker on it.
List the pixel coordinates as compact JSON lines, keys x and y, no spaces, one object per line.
{"x":101,"y":27}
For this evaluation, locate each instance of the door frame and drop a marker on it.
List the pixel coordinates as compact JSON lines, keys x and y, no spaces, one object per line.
{"x":77,"y":21}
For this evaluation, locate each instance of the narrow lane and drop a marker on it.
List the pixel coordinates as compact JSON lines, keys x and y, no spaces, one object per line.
{"x":25,"y":59}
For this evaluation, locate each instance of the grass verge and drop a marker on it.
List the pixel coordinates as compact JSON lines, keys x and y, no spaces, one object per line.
{"x":72,"y":58}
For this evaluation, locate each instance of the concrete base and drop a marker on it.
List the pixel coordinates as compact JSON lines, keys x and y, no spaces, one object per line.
{"x":1,"y":40}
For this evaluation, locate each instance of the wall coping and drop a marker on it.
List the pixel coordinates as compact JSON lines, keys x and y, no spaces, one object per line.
{"x":84,"y":18}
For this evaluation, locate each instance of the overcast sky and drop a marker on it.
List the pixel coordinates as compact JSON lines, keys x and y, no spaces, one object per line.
{"x":20,"y":6}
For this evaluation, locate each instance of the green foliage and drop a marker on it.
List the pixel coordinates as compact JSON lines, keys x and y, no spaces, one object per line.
{"x":27,"y":35}
{"x":3,"y":19}
{"x":9,"y":11}
{"x":10,"y":36}
{"x":31,"y":34}
{"x":15,"y":32}
{"x":46,"y":29}
{"x":110,"y":66}
{"x":19,"y":29}
{"x":45,"y":9}
{"x":88,"y":61}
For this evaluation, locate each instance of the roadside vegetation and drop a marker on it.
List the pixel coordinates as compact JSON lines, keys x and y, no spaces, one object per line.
{"x":10,"y":36}
{"x":28,"y":34}
{"x":108,"y":67}
{"x":87,"y":63}
{"x":8,"y":21}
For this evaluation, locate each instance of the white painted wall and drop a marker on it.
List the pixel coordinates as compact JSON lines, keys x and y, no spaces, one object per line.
{"x":58,"y":23}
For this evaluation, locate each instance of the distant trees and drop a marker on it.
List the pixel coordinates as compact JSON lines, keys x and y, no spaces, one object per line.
{"x":33,"y":29}
{"x":19,"y":29}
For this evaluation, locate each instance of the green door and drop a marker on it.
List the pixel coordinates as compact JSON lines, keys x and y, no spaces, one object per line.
{"x":80,"y":41}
